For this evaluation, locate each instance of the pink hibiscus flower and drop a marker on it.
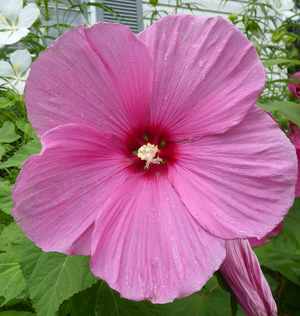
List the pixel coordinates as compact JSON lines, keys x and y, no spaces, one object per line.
{"x":154,"y":218}
{"x":295,"y":86}
{"x":295,"y":138}
{"x":242,"y":272}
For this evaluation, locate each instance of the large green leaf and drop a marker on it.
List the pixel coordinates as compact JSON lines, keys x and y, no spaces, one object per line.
{"x":53,"y":277}
{"x":5,"y":198}
{"x":102,"y":300}
{"x":11,"y":239}
{"x":290,"y":110}
{"x":210,"y":301}
{"x":22,"y":154}
{"x":286,"y":264}
{"x":26,"y":128}
{"x":7,"y":133}
{"x":12,"y":282}
{"x":288,"y":239}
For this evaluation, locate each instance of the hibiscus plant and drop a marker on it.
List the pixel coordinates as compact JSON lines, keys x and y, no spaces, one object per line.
{"x":152,"y":173}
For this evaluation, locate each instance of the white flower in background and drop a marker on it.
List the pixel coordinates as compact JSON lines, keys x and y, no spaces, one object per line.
{"x":17,"y":71}
{"x":15,"y":21}
{"x":283,"y":7}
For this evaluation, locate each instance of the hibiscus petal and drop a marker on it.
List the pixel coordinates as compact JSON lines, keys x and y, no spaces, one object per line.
{"x":241,"y":183}
{"x":100,"y":76}
{"x":146,"y":245}
{"x":58,"y":192}
{"x":11,"y":9}
{"x":255,"y":242}
{"x":295,"y":86}
{"x":207,"y":75}
{"x":243,"y":274}
{"x":22,"y":58}
{"x":28,"y":15}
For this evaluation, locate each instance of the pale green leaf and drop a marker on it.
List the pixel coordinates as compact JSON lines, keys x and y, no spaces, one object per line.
{"x":11,"y":239}
{"x":4,"y":103}
{"x":26,"y":128}
{"x":273,"y":62}
{"x":289,"y":109}
{"x":12,"y":282}
{"x":7,"y":133}
{"x":2,"y":151}
{"x":34,"y":147}
{"x":53,"y":277}
{"x":5,"y":198}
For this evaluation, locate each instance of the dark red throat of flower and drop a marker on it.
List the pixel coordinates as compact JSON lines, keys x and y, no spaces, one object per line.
{"x":150,"y":152}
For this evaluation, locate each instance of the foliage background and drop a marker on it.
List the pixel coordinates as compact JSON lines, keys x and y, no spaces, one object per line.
{"x":46,"y":284}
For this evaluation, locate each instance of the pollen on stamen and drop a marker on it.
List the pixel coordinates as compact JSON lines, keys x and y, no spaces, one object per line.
{"x":16,"y":67}
{"x":148,"y":153}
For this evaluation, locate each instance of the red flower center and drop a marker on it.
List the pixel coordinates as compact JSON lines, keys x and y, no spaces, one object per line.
{"x":167,"y":151}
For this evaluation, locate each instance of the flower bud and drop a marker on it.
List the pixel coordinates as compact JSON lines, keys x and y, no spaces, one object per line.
{"x":243,"y":274}
{"x":233,"y":17}
{"x":289,"y":39}
{"x":277,"y":37}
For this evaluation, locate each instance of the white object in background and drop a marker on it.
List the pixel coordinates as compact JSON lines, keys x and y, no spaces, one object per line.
{"x":283,"y":8}
{"x":17,"y":71}
{"x":15,"y":20}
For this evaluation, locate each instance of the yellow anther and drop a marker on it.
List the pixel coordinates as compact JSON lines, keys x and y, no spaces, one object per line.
{"x":148,"y":153}
{"x":16,"y":67}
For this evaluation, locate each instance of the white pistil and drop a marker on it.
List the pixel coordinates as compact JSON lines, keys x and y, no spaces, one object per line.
{"x":148,"y":153}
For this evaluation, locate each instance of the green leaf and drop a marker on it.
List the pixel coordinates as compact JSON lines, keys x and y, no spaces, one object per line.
{"x":53,"y":277}
{"x":5,"y":198}
{"x":288,"y":239}
{"x":26,"y":128}
{"x":16,"y":313}
{"x":273,"y":62}
{"x":84,"y":10}
{"x":286,"y":264}
{"x":11,"y":239}
{"x":7,"y":133}
{"x":100,"y":299}
{"x":12,"y":282}
{"x":290,"y":110}
{"x":272,"y":282}
{"x":2,"y":151}
{"x":290,"y":298}
{"x":211,"y":300}
{"x":224,"y":285}
{"x":4,"y":103}
{"x":22,"y":154}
